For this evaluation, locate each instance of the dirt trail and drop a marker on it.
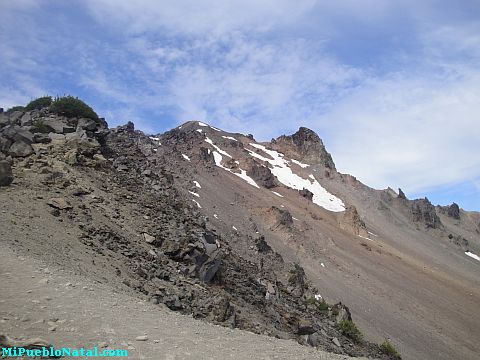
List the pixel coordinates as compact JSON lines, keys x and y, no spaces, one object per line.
{"x":71,"y":311}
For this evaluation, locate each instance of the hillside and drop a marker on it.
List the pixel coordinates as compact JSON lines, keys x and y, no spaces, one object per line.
{"x":244,"y":234}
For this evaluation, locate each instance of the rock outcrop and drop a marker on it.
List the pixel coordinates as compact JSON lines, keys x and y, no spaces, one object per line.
{"x":423,"y":211}
{"x":306,"y":146}
{"x":350,"y":221}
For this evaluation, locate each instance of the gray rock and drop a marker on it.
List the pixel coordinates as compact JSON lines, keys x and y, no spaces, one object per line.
{"x":41,"y":138}
{"x":59,"y":203}
{"x":26,"y":120}
{"x":6,"y":176}
{"x":336,"y":342}
{"x":15,"y":116}
{"x":141,"y":338}
{"x":56,"y":124}
{"x":17,"y":133}
{"x":20,"y":149}
{"x":305,"y":327}
{"x":148,"y":238}
{"x":55,"y":136}
{"x":5,"y":144}
{"x":314,"y":339}
{"x":86,"y":124}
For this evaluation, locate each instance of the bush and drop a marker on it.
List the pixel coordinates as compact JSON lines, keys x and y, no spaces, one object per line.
{"x":39,"y":103}
{"x":70,"y":107}
{"x":15,"y":108}
{"x":349,"y":329}
{"x":297,"y":276}
{"x":322,"y":305}
{"x":388,"y":348}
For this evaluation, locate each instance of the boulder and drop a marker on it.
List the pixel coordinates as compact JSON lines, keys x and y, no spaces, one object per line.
{"x":5,"y":144}
{"x":261,"y":174}
{"x":20,"y":149}
{"x":56,"y":137}
{"x":6,"y":176}
{"x":86,"y":124}
{"x":342,"y":313}
{"x":148,"y":238}
{"x":305,"y":327}
{"x":59,"y":203}
{"x":307,"y":194}
{"x":17,"y":133}
{"x":57,"y":125}
{"x":15,"y":117}
{"x":26,"y":120}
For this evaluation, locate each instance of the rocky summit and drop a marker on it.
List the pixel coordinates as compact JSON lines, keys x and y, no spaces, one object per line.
{"x":261,"y":236}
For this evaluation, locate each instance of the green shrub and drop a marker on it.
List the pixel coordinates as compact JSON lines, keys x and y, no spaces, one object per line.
{"x":39,"y":103}
{"x":322,"y":305}
{"x":351,"y":330}
{"x":70,"y":106}
{"x":15,"y":108}
{"x":388,"y":348}
{"x":297,"y":276}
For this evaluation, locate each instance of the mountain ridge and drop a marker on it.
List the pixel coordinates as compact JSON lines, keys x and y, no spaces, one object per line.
{"x":197,"y":205}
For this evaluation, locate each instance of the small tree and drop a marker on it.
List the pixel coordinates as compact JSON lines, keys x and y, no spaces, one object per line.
{"x":39,"y":103}
{"x":70,"y":107}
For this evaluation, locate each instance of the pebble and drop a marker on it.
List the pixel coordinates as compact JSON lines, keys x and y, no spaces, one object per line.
{"x":336,"y":342}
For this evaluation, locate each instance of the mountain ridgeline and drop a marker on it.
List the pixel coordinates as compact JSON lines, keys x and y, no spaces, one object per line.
{"x":263,"y":236}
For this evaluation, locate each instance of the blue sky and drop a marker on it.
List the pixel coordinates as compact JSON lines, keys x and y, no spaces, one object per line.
{"x":393,"y":87}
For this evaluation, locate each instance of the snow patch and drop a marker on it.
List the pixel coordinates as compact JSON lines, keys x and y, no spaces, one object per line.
{"x":197,"y":184}
{"x":285,"y":175}
{"x":372,"y":233}
{"x":194,"y":193}
{"x":234,"y":228}
{"x":229,"y":137}
{"x":208,"y":140}
{"x":322,"y":264}
{"x":218,"y":161}
{"x":202,"y":124}
{"x":215,"y":216}
{"x":302,"y":165}
{"x":366,"y":238}
{"x":186,"y":157}
{"x":472,"y":255}
{"x":196,"y":202}
{"x":276,"y":193}
{"x":199,"y":130}
{"x":294,"y":218}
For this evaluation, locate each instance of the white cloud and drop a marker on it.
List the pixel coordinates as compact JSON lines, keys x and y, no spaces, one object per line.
{"x":414,"y":133}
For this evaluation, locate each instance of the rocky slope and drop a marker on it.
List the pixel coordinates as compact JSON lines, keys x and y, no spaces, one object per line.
{"x":244,"y":234}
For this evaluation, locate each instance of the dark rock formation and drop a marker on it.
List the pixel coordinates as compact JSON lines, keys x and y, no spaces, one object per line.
{"x":454,"y":211}
{"x":6,"y":176}
{"x":401,"y":194}
{"x":423,"y":211}
{"x":261,"y":174}
{"x":306,"y":145}
{"x":306,"y":194}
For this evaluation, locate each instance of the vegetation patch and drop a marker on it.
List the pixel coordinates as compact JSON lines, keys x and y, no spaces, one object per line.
{"x":15,"y":108}
{"x":39,"y":103}
{"x":71,"y":107}
{"x":349,"y":329}
{"x":389,"y":349}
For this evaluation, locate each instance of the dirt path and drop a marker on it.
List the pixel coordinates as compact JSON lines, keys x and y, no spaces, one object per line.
{"x":70,"y":311}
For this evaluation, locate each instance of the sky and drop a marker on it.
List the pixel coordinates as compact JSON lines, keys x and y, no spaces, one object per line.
{"x":391,"y":86}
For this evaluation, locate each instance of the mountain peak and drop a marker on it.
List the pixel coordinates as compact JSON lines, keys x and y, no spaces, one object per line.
{"x":305,"y":145}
